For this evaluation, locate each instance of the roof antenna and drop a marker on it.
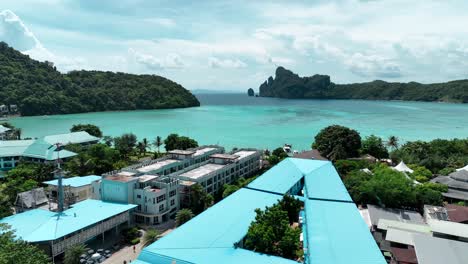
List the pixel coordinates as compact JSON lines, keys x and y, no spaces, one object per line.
{"x":58,"y":174}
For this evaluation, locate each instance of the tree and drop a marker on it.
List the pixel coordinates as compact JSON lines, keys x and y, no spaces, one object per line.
{"x":158,"y":143}
{"x":13,"y":250}
{"x":73,"y":253}
{"x":93,"y":130}
{"x":199,"y":199}
{"x":141,"y":148}
{"x":183,"y":216}
{"x":174,"y":141}
{"x":393,"y":142}
{"x":292,"y":206}
{"x":145,"y":145}
{"x":420,"y":173}
{"x":125,"y":144}
{"x":150,"y":236}
{"x":108,"y":140}
{"x":5,"y":204}
{"x":374,"y":146}
{"x":229,"y":189}
{"x":337,"y":142}
{"x":280,"y":153}
{"x":96,"y":159}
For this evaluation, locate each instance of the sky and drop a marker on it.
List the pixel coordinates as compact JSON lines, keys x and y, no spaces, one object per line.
{"x":234,"y":45}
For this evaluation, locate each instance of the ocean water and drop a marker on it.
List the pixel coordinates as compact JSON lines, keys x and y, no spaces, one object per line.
{"x":236,"y":120}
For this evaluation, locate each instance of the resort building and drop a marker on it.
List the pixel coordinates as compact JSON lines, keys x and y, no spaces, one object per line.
{"x":54,"y":232}
{"x":76,"y":189}
{"x":332,"y":228}
{"x":31,"y":199}
{"x":457,"y":183}
{"x":156,"y":197}
{"x":41,"y":150}
{"x":218,"y":170}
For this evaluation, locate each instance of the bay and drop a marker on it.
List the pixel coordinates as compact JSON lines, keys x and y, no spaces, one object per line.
{"x":236,"y":120}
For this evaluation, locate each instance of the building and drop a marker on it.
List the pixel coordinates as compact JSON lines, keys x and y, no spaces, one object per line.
{"x":156,"y":197}
{"x":377,"y":213}
{"x":215,"y":236}
{"x":310,"y":154}
{"x":457,"y":213}
{"x":4,"y":132}
{"x":54,"y":232}
{"x":79,"y":188}
{"x":30,"y":200}
{"x":457,"y":183}
{"x":217,"y":170}
{"x":41,"y":150}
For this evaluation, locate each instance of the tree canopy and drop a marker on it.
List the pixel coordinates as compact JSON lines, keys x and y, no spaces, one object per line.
{"x":183,"y":216}
{"x":374,"y":146}
{"x":93,"y":130}
{"x":337,"y":142}
{"x":39,"y":89}
{"x":174,"y":141}
{"x":13,"y":250}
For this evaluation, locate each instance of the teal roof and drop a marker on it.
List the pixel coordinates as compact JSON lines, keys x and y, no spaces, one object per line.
{"x":77,"y":181}
{"x":71,"y":138}
{"x":13,"y":148}
{"x":282,"y":177}
{"x":42,"y":225}
{"x":334,"y":232}
{"x":43,"y":150}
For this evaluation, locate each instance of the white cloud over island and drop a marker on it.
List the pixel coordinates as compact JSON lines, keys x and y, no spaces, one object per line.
{"x":238,"y":44}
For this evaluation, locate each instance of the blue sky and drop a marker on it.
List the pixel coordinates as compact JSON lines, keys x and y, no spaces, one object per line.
{"x":233,"y":45}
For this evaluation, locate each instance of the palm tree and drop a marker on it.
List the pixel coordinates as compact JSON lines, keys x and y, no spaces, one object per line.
{"x":145,"y":144}
{"x":141,"y":148}
{"x":392,"y":142}
{"x":73,"y":253}
{"x":183,"y":216}
{"x":150,"y":237}
{"x":158,"y":143}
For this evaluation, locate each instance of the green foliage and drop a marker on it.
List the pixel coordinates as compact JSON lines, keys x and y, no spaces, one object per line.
{"x":280,"y":153}
{"x":183,"y":216}
{"x":158,"y":143}
{"x":337,"y":142}
{"x":174,"y":141}
{"x":374,"y":146}
{"x":420,"y":173}
{"x":461,"y":203}
{"x":96,"y":159}
{"x":135,"y":241}
{"x":73,"y":253}
{"x":292,"y":206}
{"x":125,"y":144}
{"x":18,"y":251}
{"x":390,"y":188}
{"x":229,"y":189}
{"x":93,"y":130}
{"x":39,"y":89}
{"x":199,"y":199}
{"x":5,"y":202}
{"x":271,"y":233}
{"x":435,"y":155}
{"x":130,"y":234}
{"x":286,"y":84}
{"x":344,"y":167}
{"x":150,"y":237}
{"x":446,"y":171}
{"x":393,"y":142}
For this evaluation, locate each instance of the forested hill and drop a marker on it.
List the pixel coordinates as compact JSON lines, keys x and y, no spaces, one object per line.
{"x":286,"y":84}
{"x":39,"y":89}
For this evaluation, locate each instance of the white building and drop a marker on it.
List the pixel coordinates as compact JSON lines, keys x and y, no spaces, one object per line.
{"x":79,"y":188}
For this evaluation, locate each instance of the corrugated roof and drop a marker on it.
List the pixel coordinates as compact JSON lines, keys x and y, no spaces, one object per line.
{"x":405,"y":255}
{"x":386,"y":224}
{"x":71,"y":138}
{"x":325,"y":183}
{"x":457,"y":213}
{"x":42,"y":225}
{"x":402,"y":236}
{"x":43,"y":150}
{"x":376,"y":213}
{"x":449,"y":228}
{"x":12,"y":148}
{"x":433,"y":250}
{"x":76,"y":181}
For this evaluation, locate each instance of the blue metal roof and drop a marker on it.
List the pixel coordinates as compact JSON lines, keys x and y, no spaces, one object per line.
{"x":76,"y":181}
{"x":71,"y":138}
{"x":43,"y":150}
{"x":334,"y":232}
{"x":42,"y":225}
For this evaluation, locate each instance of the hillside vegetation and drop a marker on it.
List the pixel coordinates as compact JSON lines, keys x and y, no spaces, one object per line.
{"x":39,"y":89}
{"x":287,"y":84}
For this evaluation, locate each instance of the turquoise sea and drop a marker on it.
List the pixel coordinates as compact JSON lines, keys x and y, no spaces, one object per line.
{"x":236,"y":120}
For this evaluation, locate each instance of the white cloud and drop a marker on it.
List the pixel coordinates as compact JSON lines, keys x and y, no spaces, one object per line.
{"x":214,"y":62}
{"x":170,"y":61}
{"x":373,"y":66}
{"x":165,"y":22}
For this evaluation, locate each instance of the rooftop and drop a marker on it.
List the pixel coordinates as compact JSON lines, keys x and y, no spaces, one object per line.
{"x":76,"y":181}
{"x":181,"y":152}
{"x":41,"y":149}
{"x":156,"y":166}
{"x":71,"y":138}
{"x":203,"y":150}
{"x":4,"y":129}
{"x":376,"y":213}
{"x":42,"y":225}
{"x":327,"y":238}
{"x":244,"y":153}
{"x":457,"y":213}
{"x":146,"y":178}
{"x":120,"y":178}
{"x":202,"y":171}
{"x":224,"y":156}
{"x":11,"y":148}
{"x":433,"y":250}
{"x":310,"y":154}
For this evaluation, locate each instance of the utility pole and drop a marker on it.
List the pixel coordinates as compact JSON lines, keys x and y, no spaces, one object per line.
{"x":59,"y":175}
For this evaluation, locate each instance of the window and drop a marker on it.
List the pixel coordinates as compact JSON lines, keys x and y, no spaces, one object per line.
{"x":161,"y":207}
{"x":172,"y":193}
{"x":154,"y":200}
{"x":138,"y":196}
{"x":161,"y":198}
{"x":172,"y":202}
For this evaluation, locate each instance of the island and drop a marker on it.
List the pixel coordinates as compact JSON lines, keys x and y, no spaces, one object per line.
{"x":287,"y":84}
{"x":250,"y":92}
{"x":37,"y":88}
